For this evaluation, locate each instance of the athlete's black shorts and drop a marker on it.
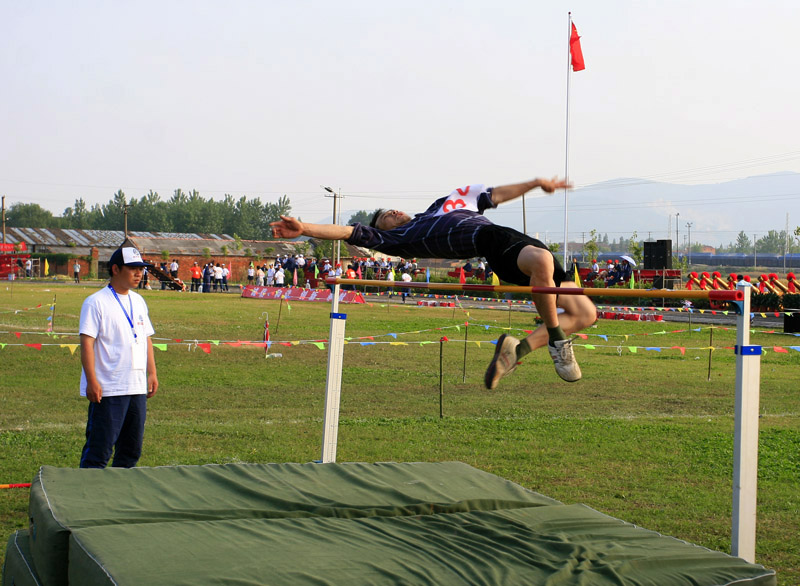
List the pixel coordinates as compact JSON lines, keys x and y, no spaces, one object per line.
{"x":501,"y":247}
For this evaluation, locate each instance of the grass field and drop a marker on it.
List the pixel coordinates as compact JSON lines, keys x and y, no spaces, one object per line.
{"x":644,"y":437}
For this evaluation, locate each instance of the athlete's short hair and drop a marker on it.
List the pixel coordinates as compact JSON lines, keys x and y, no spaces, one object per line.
{"x":374,"y":221}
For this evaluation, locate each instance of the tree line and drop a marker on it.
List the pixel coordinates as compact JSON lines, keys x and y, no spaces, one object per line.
{"x":774,"y":242}
{"x":249,"y":219}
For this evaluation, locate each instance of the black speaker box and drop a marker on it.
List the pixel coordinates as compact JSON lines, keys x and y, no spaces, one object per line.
{"x":658,"y":255}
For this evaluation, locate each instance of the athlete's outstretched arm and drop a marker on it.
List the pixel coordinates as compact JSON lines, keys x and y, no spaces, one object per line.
{"x":509,"y":192}
{"x":288,"y":227}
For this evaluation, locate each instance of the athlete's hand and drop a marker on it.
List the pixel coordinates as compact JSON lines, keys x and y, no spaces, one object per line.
{"x":550,"y":185}
{"x":287,"y":227}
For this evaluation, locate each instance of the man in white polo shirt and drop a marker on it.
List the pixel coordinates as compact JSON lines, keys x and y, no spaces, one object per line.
{"x":119,"y":369}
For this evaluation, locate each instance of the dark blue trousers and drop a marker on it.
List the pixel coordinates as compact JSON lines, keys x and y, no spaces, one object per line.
{"x":115,"y":424}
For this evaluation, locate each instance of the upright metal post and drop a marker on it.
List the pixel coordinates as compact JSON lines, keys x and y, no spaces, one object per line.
{"x":745,"y":446}
{"x":566,"y":143}
{"x":333,"y":384}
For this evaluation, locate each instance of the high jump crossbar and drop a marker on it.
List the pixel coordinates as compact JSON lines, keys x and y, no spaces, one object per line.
{"x":711,"y":294}
{"x":748,"y":371}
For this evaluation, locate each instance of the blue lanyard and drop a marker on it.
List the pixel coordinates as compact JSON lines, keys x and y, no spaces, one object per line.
{"x":129,"y":318}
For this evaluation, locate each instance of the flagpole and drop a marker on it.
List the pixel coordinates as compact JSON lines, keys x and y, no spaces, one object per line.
{"x":566,"y":150}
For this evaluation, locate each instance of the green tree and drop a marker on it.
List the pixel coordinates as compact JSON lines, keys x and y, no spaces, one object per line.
{"x":77,"y":216}
{"x":362,"y":217}
{"x":774,"y":242}
{"x":743,"y":243}
{"x":149,"y":213}
{"x":635,"y":248}
{"x":272,"y":213}
{"x":112,"y":213}
{"x":30,"y":215}
{"x":591,"y":248}
{"x":323,"y":249}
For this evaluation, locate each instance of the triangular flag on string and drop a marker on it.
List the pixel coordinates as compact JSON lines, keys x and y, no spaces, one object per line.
{"x":205,"y":347}
{"x":162,"y":347}
{"x":72,"y":347}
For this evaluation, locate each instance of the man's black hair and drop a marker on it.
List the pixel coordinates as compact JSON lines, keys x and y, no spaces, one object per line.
{"x":375,"y":217}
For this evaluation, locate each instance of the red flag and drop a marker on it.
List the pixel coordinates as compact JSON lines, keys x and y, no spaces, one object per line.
{"x":461,"y":278}
{"x":575,"y":50}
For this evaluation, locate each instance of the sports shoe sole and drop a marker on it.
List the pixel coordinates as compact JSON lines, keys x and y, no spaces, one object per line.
{"x":492,"y":377}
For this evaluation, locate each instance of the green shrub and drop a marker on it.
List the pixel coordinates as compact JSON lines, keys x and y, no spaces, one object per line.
{"x":765,"y":301}
{"x":790,"y":301}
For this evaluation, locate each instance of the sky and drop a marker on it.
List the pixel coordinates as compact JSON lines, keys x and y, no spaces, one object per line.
{"x":393,"y":104}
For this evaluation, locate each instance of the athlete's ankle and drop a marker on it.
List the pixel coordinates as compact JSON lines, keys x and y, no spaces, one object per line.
{"x":523,"y":348}
{"x":555,"y":334}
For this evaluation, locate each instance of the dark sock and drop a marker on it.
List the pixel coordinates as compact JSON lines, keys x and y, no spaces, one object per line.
{"x":556,"y":334}
{"x":523,"y":348}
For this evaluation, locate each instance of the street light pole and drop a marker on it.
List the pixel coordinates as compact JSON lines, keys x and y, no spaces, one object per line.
{"x":337,"y":247}
{"x":677,"y":237}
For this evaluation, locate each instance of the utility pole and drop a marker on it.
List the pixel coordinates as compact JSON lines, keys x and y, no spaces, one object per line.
{"x":677,"y":238}
{"x":755,"y":252}
{"x":4,"y":220}
{"x":786,"y":242}
{"x":689,"y":250}
{"x":583,"y":250}
{"x":125,"y":214}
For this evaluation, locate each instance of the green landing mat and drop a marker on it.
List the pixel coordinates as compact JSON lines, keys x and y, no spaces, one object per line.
{"x":65,"y":499}
{"x":385,"y":523}
{"x":18,"y":566}
{"x":554,"y":545}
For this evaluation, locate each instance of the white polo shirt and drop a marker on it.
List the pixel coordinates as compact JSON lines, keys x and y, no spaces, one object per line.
{"x":120,"y":361}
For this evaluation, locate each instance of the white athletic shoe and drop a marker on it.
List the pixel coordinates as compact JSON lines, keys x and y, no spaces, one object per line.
{"x":503,"y":362}
{"x":564,"y":360}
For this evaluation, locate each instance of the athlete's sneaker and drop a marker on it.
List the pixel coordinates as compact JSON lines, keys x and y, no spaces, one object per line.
{"x":564,"y":360}
{"x":503,"y":362}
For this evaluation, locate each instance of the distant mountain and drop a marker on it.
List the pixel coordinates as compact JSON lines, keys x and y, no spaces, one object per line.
{"x":717,"y":211}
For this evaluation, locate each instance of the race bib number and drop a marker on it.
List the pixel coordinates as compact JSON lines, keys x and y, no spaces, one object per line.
{"x":463,"y":198}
